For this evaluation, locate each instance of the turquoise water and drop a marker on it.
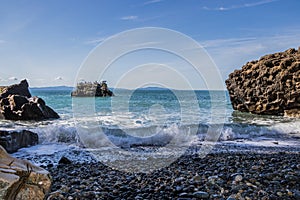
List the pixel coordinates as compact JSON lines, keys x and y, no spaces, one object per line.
{"x":143,"y":125}
{"x":146,"y":117}
{"x":144,"y":109}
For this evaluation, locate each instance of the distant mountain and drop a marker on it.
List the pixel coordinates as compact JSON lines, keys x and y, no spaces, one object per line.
{"x":52,"y":88}
{"x":153,"y":88}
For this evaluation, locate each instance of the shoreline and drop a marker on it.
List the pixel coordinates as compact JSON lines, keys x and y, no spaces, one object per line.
{"x":268,"y":173}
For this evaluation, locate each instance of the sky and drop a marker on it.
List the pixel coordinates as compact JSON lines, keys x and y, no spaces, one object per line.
{"x":48,"y":42}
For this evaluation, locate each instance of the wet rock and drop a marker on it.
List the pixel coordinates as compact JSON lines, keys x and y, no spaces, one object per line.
{"x":20,"y":179}
{"x":14,"y":140}
{"x":64,"y":160}
{"x":16,"y":103}
{"x":270,"y":85}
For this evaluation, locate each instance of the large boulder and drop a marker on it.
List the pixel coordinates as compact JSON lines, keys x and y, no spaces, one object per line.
{"x":16,"y":103}
{"x":21,"y":180}
{"x":270,"y":85}
{"x":14,"y":140}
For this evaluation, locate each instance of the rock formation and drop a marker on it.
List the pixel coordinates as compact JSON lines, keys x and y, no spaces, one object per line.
{"x":88,"y":89}
{"x":270,"y":85}
{"x":16,"y":103}
{"x":17,"y":89}
{"x":20,"y":179}
{"x":14,"y":140}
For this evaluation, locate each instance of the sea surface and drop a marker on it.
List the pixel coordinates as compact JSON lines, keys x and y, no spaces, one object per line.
{"x":154,"y":120}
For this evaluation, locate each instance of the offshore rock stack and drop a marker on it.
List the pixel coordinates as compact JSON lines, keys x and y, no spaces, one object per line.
{"x":89,"y":89}
{"x":268,"y":86}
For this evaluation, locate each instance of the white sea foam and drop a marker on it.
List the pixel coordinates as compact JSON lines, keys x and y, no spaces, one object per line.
{"x":152,"y":121}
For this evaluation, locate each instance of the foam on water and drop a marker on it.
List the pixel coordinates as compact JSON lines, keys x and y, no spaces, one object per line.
{"x":142,"y":133}
{"x":152,"y":122}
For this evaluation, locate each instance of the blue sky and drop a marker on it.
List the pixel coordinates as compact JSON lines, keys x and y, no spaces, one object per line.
{"x":47,"y":41}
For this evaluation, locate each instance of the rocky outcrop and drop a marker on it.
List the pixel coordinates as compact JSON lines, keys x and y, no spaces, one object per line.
{"x":88,"y":89}
{"x":14,"y":140}
{"x":16,"y":103}
{"x":20,"y":179}
{"x":18,"y":89}
{"x":270,"y":85}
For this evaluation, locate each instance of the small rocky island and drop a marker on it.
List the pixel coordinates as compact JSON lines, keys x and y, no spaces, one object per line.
{"x":89,"y":89}
{"x":268,"y":86}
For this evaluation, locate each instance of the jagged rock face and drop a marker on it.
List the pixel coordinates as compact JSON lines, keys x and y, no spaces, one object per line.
{"x":270,"y":85}
{"x":20,"y":179}
{"x":14,"y":140}
{"x":16,"y":103}
{"x":19,"y":89}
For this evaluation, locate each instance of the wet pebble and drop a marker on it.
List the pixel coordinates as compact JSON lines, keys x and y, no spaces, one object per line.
{"x":201,"y":194}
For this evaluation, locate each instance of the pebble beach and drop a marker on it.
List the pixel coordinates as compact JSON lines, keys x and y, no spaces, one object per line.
{"x":263,"y":173}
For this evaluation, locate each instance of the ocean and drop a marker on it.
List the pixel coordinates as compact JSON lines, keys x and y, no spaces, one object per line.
{"x":149,"y":122}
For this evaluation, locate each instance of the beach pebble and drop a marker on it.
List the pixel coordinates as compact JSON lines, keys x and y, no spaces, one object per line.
{"x":64,"y":160}
{"x":184,"y":194}
{"x":179,"y":180}
{"x":212,"y":179}
{"x":231,"y":198}
{"x":238,"y":178}
{"x":296,"y":194}
{"x":178,"y":188}
{"x":201,"y":194}
{"x":197,"y":178}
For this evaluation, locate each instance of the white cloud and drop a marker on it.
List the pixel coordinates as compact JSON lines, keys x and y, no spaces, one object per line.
{"x":59,"y":78}
{"x":152,"y":2}
{"x":233,"y":53}
{"x":131,"y":17}
{"x":12,"y":78}
{"x":245,"y":5}
{"x":227,"y":42}
{"x":250,"y":44}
